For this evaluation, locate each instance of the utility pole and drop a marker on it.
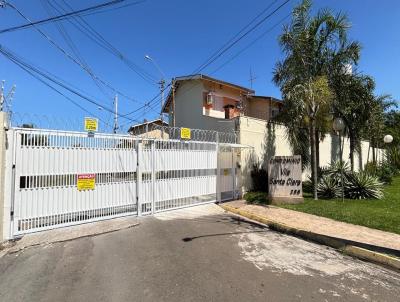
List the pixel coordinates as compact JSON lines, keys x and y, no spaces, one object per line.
{"x":2,"y":97}
{"x":173,"y":103}
{"x":162,"y":83}
{"x":115,"y":113}
{"x":252,"y":78}
{"x":162,"y":88}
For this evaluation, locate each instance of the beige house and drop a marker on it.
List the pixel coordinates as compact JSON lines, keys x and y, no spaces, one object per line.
{"x":152,"y":129}
{"x":203,"y":102}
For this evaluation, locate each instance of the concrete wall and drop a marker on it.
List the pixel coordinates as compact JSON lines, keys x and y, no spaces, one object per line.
{"x":5,"y":179}
{"x":268,"y":139}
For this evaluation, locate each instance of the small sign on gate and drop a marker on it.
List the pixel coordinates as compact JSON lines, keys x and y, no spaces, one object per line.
{"x":86,"y":181}
{"x":185,"y":133}
{"x":91,"y":124}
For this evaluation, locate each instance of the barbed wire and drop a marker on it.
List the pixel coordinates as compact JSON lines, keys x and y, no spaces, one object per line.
{"x":41,"y":121}
{"x":149,"y":131}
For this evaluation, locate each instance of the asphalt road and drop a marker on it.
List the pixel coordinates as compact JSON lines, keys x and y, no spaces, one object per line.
{"x":209,"y":256}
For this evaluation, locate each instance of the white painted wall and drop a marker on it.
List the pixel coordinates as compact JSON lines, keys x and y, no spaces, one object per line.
{"x":269,"y":141}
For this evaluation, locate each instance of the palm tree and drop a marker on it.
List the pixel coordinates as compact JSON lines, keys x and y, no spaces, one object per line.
{"x":311,"y":44}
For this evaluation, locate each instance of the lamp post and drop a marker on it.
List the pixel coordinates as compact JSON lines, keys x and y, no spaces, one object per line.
{"x":387,"y":140}
{"x":338,"y":126}
{"x":162,"y":82}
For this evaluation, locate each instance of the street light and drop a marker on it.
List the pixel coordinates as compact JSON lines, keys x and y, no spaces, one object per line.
{"x":388,"y":139}
{"x":338,"y":126}
{"x":162,"y":82}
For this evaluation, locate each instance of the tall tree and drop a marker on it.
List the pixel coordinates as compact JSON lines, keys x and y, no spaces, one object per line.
{"x":311,"y":44}
{"x":353,"y":101}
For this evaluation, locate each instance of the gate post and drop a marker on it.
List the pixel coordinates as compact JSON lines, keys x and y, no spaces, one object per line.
{"x":153,"y":176}
{"x":218,"y":182}
{"x":5,"y":200}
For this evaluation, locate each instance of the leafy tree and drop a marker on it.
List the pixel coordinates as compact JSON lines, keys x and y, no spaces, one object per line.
{"x":353,"y":100}
{"x":392,"y":126}
{"x":311,"y":44}
{"x":375,"y":129}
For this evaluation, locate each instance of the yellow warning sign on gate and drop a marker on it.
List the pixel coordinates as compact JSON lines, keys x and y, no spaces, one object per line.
{"x":185,"y":133}
{"x":86,"y":182}
{"x":91,"y":124}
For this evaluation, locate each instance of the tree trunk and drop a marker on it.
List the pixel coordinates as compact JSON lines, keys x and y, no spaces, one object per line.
{"x":373,"y":153}
{"x":317,"y":139}
{"x":314,"y":175}
{"x":352,"y":149}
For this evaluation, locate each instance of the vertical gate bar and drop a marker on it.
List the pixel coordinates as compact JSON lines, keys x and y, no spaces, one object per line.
{"x":139,"y":177}
{"x":153,"y":175}
{"x":233,"y":173}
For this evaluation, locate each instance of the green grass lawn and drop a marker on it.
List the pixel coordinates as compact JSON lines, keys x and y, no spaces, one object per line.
{"x":381,"y":214}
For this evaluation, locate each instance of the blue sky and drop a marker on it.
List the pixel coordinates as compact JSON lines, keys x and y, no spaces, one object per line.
{"x":180,"y":35}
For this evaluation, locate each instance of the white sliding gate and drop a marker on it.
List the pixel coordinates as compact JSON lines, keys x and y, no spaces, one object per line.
{"x":130,"y":176}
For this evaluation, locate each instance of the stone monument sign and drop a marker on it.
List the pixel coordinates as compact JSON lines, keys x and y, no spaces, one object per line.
{"x":285,"y":179}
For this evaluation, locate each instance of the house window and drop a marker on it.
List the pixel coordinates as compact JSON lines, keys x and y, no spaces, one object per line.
{"x":229,"y":111}
{"x":274,"y":112}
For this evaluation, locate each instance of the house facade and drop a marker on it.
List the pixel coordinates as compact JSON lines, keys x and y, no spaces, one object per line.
{"x":202,"y":102}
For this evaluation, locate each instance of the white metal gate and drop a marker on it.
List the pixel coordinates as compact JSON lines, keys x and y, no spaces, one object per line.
{"x":46,"y":167}
{"x":131,"y":176}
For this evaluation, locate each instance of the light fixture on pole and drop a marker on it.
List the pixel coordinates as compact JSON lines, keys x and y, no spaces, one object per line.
{"x":161,"y":83}
{"x":388,"y":139}
{"x":338,"y":126}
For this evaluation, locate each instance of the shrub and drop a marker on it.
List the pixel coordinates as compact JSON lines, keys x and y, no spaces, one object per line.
{"x":384,"y":171}
{"x":256,"y":197}
{"x":335,"y":169}
{"x":329,"y":187}
{"x":307,"y":186}
{"x":362,"y":186}
{"x":259,"y":178}
{"x":393,"y":157}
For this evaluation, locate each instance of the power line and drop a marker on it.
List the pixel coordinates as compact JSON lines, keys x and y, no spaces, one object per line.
{"x":61,"y":17}
{"x":71,"y":57}
{"x":225,"y":49}
{"x":250,"y":44}
{"x":73,"y":47}
{"x":27,"y":67}
{"x":86,"y":29}
{"x":147,"y":104}
{"x":56,"y":90}
{"x":237,"y":34}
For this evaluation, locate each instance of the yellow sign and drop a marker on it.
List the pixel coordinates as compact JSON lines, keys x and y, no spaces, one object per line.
{"x":226,"y":172}
{"x":91,"y":124}
{"x":86,"y":182}
{"x":185,"y":133}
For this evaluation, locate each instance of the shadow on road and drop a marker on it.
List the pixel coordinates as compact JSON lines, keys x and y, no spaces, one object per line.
{"x":187,"y":239}
{"x":255,"y":228}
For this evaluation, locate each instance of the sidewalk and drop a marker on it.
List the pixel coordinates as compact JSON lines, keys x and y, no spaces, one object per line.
{"x":318,"y":225}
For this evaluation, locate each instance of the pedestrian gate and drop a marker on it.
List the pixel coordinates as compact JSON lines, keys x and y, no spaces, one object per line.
{"x":63,"y":178}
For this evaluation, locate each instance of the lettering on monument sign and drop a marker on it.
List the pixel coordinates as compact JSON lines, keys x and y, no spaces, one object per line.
{"x":284,"y":176}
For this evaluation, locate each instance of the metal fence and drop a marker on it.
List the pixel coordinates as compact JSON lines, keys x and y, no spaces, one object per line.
{"x":153,"y":131}
{"x":129,"y":175}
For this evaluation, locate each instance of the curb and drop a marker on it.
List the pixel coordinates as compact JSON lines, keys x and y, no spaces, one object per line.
{"x":337,"y":243}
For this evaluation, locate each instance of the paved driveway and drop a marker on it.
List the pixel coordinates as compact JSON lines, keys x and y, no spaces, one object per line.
{"x":198,"y":254}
